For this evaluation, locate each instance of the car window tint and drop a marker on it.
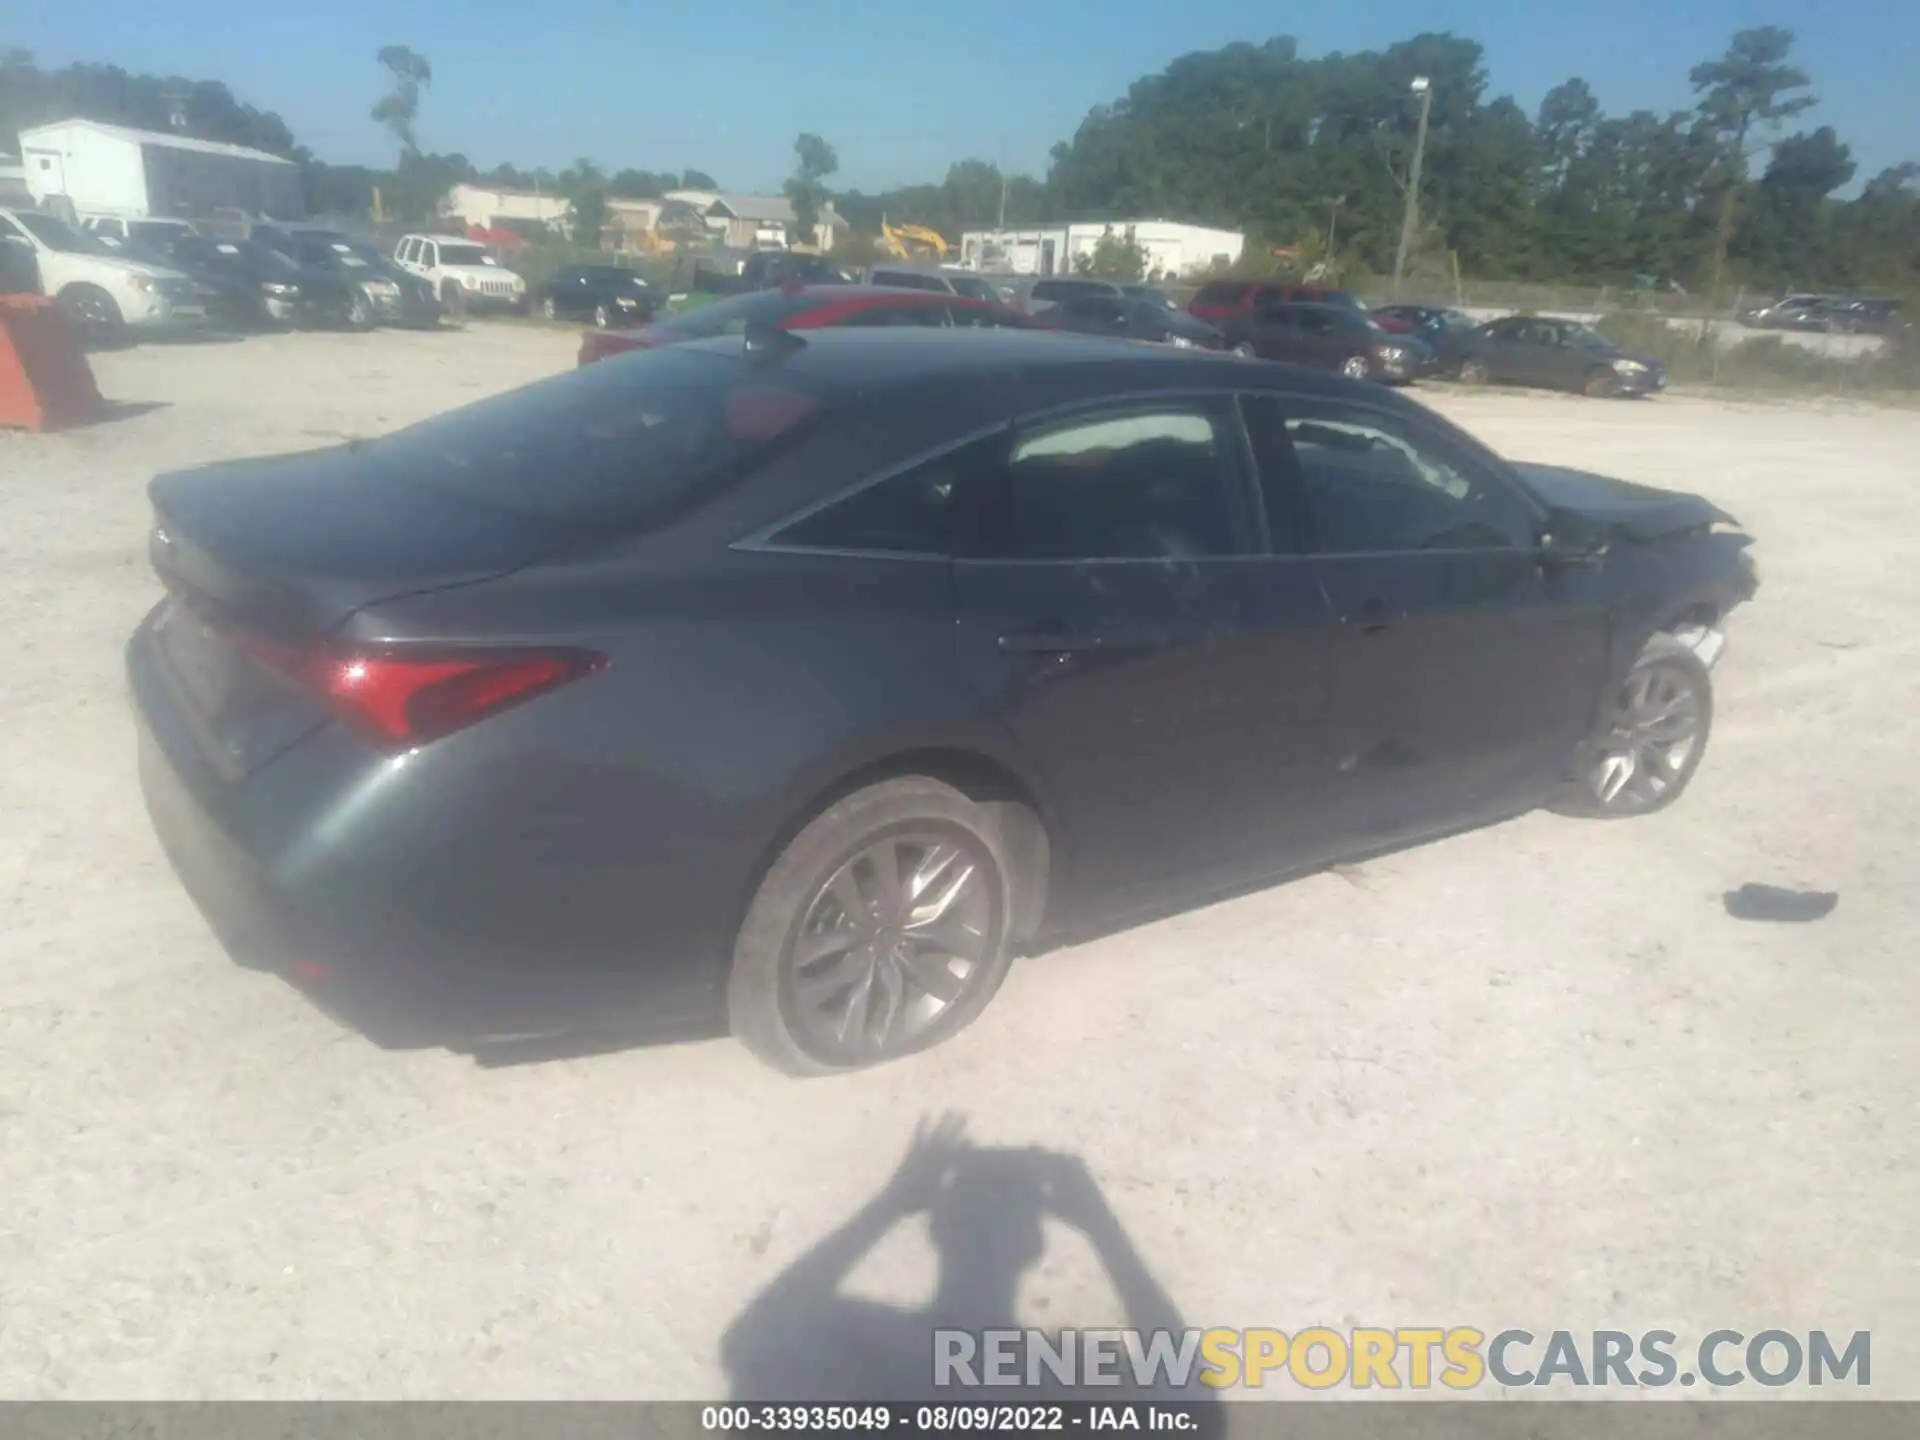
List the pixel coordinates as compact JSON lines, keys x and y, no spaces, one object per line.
{"x":1157,"y":482}
{"x":1372,"y":481}
{"x":613,"y":443}
{"x":909,"y":514}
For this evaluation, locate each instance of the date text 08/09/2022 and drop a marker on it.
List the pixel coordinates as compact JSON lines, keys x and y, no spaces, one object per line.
{"x":1171,"y":1417}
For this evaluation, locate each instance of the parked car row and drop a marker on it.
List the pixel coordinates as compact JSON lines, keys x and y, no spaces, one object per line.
{"x":1827,"y":314}
{"x":118,"y":277}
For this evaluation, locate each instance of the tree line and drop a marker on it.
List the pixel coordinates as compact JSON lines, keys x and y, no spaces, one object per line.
{"x":1309,"y":154}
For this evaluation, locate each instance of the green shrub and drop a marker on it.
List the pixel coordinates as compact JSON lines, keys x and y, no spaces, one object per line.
{"x":1696,"y":353}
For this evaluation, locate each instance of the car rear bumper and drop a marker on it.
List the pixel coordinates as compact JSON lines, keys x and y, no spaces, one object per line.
{"x":353,"y":901}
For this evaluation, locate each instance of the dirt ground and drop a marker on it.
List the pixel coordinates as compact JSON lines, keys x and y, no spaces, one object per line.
{"x":1531,"y":1076}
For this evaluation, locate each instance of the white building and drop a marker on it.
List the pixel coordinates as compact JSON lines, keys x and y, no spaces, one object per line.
{"x":111,"y":170}
{"x":1172,"y":248}
{"x":491,"y":206}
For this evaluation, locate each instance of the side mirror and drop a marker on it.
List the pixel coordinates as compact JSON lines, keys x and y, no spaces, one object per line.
{"x":1569,"y":538}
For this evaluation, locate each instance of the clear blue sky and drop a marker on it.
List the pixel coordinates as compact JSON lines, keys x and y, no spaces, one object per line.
{"x":903,"y":88}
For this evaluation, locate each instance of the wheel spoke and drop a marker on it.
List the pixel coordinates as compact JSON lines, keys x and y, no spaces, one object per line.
{"x":933,"y":973}
{"x":889,"y":1002}
{"x":845,"y":891}
{"x":889,"y":895}
{"x":853,"y":1020}
{"x":1614,"y":773}
{"x":934,"y":894}
{"x":948,"y":937}
{"x":809,"y":950}
{"x":816,"y":990}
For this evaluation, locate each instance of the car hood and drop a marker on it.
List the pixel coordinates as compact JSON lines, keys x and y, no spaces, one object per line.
{"x":125,"y":266}
{"x":1640,"y":512}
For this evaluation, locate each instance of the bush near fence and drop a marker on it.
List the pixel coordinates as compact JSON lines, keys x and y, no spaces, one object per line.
{"x":1698,"y":355}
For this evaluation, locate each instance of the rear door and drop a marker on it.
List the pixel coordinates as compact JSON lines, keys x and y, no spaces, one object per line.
{"x":1120,"y":615}
{"x":1463,"y":674}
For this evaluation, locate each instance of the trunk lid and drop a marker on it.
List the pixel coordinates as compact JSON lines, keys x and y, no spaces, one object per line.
{"x":262,"y":556}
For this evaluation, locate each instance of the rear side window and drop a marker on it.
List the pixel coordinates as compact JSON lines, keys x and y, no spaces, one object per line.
{"x":612,"y":443}
{"x":908,"y":514}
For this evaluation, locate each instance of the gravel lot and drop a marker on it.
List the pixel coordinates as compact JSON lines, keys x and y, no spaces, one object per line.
{"x":1530,"y":1076}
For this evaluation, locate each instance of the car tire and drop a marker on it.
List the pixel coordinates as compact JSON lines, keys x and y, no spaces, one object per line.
{"x":602,"y":317}
{"x":1355,"y":367}
{"x":360,"y":313}
{"x":548,"y":310}
{"x":1472,"y":372}
{"x":454,"y":299}
{"x":1245,"y":350}
{"x":94,"y":313}
{"x":1600,"y":383}
{"x":1667,"y":674}
{"x":829,"y":1007}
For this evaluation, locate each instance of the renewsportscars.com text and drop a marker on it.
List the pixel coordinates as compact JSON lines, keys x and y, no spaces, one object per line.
{"x":1416,"y":1358}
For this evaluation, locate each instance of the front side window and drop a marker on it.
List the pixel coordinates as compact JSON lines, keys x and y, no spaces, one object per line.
{"x":1373,"y":482}
{"x":1155,"y":482}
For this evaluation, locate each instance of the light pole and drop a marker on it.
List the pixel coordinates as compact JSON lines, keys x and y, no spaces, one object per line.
{"x":1410,"y":225}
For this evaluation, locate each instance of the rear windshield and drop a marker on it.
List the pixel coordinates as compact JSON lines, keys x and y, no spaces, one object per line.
{"x":732,"y":316}
{"x":612,"y":443}
{"x":1221,"y":292}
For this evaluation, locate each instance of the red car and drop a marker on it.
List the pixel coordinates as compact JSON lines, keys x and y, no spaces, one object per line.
{"x":1221,"y":301}
{"x":810,"y":307}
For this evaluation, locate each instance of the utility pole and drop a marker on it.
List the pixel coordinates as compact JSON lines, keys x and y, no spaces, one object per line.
{"x":1003,"y":198}
{"x":1410,"y":225}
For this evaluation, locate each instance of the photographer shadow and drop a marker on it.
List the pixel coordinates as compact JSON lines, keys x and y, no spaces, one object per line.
{"x":802,"y":1340}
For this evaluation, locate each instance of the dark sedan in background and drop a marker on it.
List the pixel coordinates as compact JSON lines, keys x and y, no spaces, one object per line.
{"x":384,"y":294}
{"x":226,"y":274}
{"x":806,"y":307}
{"x":1123,"y":317}
{"x":1446,"y":332}
{"x":1329,"y":337}
{"x":605,"y":294}
{"x":801,"y":679}
{"x":1561,"y":354}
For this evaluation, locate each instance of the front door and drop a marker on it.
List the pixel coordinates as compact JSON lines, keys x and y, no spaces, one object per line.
{"x":1166,"y":677}
{"x":1463,"y":673}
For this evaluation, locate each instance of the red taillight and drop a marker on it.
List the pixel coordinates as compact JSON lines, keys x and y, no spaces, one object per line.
{"x":405,"y":698}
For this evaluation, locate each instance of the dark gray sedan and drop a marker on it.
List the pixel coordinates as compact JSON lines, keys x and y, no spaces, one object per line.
{"x":1131,"y":318}
{"x":801,"y":681}
{"x":1559,"y":354}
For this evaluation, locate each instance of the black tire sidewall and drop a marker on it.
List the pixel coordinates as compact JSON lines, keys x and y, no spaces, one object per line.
{"x":756,"y":983}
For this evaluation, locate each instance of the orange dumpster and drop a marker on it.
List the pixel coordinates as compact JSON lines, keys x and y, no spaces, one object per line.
{"x":45,"y":381}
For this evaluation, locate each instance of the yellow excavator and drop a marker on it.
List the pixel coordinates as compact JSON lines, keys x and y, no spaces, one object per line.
{"x":912,"y":242}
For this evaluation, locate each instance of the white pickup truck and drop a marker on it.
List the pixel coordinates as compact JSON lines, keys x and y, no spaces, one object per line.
{"x":107,"y":295}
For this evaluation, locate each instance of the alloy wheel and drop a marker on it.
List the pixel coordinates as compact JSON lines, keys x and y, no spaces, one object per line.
{"x":891,"y":947}
{"x":602,"y":317}
{"x":548,"y":309}
{"x":1354,"y":367}
{"x":1244,"y":349}
{"x":1473,"y":373}
{"x":1651,"y":737}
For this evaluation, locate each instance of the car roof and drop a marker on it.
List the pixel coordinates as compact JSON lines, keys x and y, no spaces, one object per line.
{"x":1065,"y":365}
